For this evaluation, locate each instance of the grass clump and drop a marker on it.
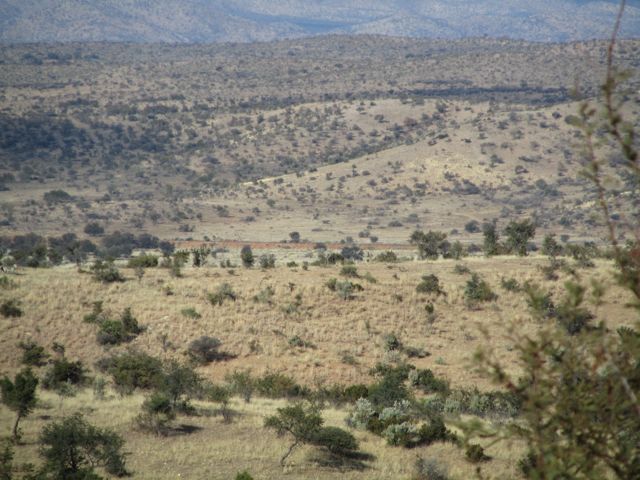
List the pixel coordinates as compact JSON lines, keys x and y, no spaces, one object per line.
{"x":11,"y":308}
{"x":430,"y":284}
{"x":224,"y":292}
{"x":478,"y":290}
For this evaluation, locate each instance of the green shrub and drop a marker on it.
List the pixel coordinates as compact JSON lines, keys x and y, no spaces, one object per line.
{"x":403,"y":434}
{"x":386,"y":257}
{"x":430,"y":284}
{"x":429,"y":469}
{"x":510,"y":284}
{"x":265,"y":295}
{"x":334,"y":439}
{"x":115,"y":332}
{"x":267,"y":261}
{"x":392,"y":342}
{"x":461,"y":269}
{"x":435,"y":431}
{"x":478,"y":290}
{"x":279,"y":385}
{"x":143,"y":261}
{"x":391,"y":387}
{"x":72,"y":448}
{"x":349,"y":271}
{"x":426,"y":381}
{"x":224,"y":292}
{"x":106,"y":272}
{"x":63,"y":372}
{"x":190,"y":313}
{"x":475,"y":454}
{"x":157,"y":414}
{"x":33,"y":354}
{"x":205,"y":350}
{"x":246,"y":255}
{"x":11,"y":308}
{"x":6,"y":283}
{"x":243,"y":476}
{"x":133,"y":370}
{"x":241,"y":383}
{"x":96,"y":315}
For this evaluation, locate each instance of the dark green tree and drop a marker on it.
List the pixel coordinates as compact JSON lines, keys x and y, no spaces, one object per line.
{"x":518,"y":235}
{"x":491,"y":243}
{"x":246,"y":255}
{"x":19,"y":396}
{"x":431,"y":244}
{"x":299,"y":421}
{"x":72,"y":448}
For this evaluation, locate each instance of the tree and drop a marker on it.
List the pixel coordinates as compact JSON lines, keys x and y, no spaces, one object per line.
{"x":295,"y":237}
{"x":518,"y":235}
{"x":491,"y":239}
{"x":299,"y":421}
{"x":430,"y":244}
{"x":72,"y":448}
{"x":94,"y":229}
{"x":246,"y":255}
{"x":19,"y":396}
{"x":550,"y":246}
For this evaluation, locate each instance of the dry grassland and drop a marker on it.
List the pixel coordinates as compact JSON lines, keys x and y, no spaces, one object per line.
{"x":55,"y":300}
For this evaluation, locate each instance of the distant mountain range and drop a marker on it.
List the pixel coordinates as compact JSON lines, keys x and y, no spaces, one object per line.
{"x":198,"y":21}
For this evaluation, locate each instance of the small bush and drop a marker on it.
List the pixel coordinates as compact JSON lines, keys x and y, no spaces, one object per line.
{"x":33,"y":354}
{"x":461,"y":269}
{"x":334,"y":439}
{"x":190,"y":313}
{"x":143,"y":261}
{"x":392,"y":342}
{"x":403,"y":434}
{"x":106,"y":272}
{"x":267,"y":261}
{"x":6,"y":283}
{"x":241,"y":383}
{"x":133,"y":370}
{"x":478,"y":290}
{"x":243,"y":476}
{"x":63,"y":373}
{"x":386,"y":257}
{"x":265,"y":295}
{"x":96,"y":315}
{"x":115,"y":332}
{"x":430,"y":284}
{"x":429,"y":469}
{"x":475,"y":454}
{"x":426,"y":381}
{"x":279,"y":385}
{"x":224,"y":292}
{"x":349,"y":271}
{"x":205,"y":350}
{"x":510,"y":284}
{"x":157,"y":414}
{"x":11,"y":308}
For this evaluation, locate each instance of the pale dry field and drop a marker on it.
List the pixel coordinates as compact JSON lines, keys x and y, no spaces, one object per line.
{"x":55,"y":300}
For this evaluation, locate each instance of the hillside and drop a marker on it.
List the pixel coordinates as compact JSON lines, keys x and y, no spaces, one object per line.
{"x":205,"y":21}
{"x":370,"y":137}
